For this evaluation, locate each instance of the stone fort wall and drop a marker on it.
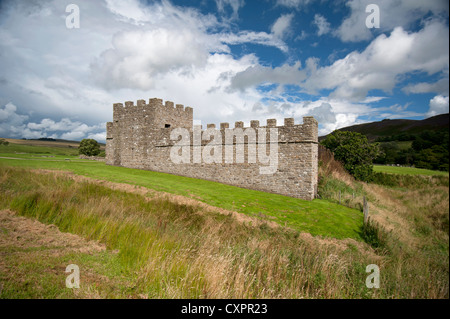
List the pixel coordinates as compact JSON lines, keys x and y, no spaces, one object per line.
{"x":139,"y":137}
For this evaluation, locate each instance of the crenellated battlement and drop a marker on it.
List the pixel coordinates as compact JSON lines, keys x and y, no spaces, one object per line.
{"x":153,"y":114}
{"x":140,"y":136}
{"x":152,"y":104}
{"x":288,"y":122}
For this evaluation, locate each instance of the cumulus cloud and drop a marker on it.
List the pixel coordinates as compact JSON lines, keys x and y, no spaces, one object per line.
{"x":65,"y":81}
{"x":380,"y":64}
{"x":15,"y":125}
{"x":323,"y":26}
{"x":138,"y":57}
{"x":441,"y":87}
{"x":10,"y":121}
{"x":281,"y":27}
{"x":128,"y":10}
{"x":438,"y":105}
{"x":323,"y":113}
{"x":181,"y":42}
{"x":257,"y":74}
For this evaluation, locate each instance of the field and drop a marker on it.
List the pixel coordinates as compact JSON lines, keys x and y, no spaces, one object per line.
{"x":322,"y":218}
{"x":141,"y":234}
{"x":40,"y":148}
{"x":407,"y":170}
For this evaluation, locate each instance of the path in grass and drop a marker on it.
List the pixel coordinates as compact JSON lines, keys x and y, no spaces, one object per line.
{"x":318,"y":217}
{"x":406,"y":170}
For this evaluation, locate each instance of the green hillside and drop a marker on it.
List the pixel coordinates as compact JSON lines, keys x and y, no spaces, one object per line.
{"x":419,"y":143}
{"x":400,"y":128}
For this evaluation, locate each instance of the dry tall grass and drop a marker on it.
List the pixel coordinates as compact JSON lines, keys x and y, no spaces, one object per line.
{"x":415,"y":216}
{"x":329,"y":166}
{"x":176,"y":250}
{"x":182,"y":251}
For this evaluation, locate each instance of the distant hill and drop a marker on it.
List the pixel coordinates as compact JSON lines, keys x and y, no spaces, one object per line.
{"x":419,"y":143}
{"x":49,"y":139}
{"x":385,"y":128}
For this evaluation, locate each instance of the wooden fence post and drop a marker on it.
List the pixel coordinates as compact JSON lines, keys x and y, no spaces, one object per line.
{"x":365,"y":210}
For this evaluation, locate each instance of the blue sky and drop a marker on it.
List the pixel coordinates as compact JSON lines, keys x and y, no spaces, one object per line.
{"x":231,"y":60}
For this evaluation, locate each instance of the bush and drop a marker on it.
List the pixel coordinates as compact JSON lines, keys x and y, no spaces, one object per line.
{"x":354,"y":151}
{"x":374,"y":235}
{"x":89,"y":147}
{"x":3,"y":142}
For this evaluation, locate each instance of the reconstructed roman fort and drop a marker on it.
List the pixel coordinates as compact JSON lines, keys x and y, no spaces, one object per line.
{"x":140,"y":137}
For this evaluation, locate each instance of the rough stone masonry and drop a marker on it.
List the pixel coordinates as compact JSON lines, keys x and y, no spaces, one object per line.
{"x":139,"y":137}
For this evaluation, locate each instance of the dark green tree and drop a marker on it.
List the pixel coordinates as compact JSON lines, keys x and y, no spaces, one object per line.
{"x":3,"y":141}
{"x":354,"y":151}
{"x":89,"y":147}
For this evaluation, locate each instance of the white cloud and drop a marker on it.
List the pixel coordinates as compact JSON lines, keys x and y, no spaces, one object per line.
{"x":128,"y":9}
{"x":383,"y":61}
{"x":257,"y":74}
{"x":323,"y":26}
{"x":65,"y":81}
{"x":235,"y":5}
{"x":281,"y":27}
{"x":441,"y":87}
{"x":379,"y":66}
{"x":372,"y":99}
{"x":262,"y":38}
{"x":132,"y":51}
{"x":10,"y":121}
{"x":294,"y":4}
{"x":13,"y":124}
{"x":323,"y":113}
{"x":135,"y":60}
{"x":99,"y":137}
{"x":438,"y":105}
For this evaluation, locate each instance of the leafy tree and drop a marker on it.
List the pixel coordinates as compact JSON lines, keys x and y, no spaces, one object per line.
{"x":354,"y":151}
{"x":388,"y":153}
{"x":89,"y":147}
{"x":3,"y":142}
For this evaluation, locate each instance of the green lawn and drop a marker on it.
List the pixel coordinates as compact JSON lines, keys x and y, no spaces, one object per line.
{"x":407,"y":170}
{"x":18,"y":150}
{"x":318,"y":217}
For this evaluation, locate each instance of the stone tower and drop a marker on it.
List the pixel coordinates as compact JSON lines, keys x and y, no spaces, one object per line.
{"x":139,"y":137}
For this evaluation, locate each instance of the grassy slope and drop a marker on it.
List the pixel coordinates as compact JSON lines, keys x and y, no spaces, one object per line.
{"x":318,"y":217}
{"x":407,"y":170}
{"x":411,"y":216}
{"x":167,"y":250}
{"x":219,"y":258}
